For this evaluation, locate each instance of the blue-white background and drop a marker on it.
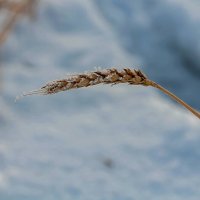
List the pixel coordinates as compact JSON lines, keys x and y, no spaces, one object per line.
{"x":102,"y":143}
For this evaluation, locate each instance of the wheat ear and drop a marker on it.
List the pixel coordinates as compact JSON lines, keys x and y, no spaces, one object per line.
{"x":108,"y":76}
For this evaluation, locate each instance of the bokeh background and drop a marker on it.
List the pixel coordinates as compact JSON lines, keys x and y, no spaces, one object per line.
{"x":100,"y":143}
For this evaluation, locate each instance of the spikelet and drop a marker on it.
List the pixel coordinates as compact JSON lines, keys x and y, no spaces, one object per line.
{"x":107,"y":76}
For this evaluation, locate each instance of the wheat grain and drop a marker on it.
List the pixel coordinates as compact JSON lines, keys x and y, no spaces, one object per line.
{"x":107,"y":76}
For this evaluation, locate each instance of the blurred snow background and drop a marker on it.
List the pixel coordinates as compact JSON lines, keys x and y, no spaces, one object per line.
{"x":101,"y":143}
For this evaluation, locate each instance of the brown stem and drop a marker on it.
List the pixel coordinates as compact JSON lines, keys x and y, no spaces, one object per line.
{"x":153,"y":84}
{"x":18,"y":9}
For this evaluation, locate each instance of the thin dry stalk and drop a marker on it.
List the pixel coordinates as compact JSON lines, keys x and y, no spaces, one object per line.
{"x":2,"y":3}
{"x":16,"y":8}
{"x":108,"y":76}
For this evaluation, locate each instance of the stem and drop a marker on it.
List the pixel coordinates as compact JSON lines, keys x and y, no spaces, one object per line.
{"x":17,"y":9}
{"x":153,"y":84}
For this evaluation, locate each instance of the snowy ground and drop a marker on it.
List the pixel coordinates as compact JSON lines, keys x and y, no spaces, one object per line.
{"x":102,"y":143}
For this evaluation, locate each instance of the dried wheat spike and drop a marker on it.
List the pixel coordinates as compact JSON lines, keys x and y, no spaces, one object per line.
{"x":107,"y":76}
